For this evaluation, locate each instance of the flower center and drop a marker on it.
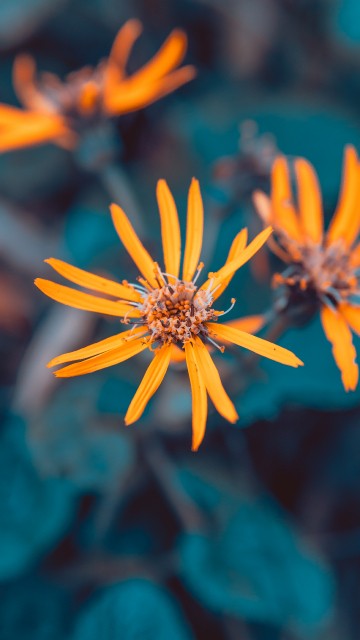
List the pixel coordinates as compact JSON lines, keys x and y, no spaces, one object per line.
{"x":326,"y":271}
{"x":177,"y":311}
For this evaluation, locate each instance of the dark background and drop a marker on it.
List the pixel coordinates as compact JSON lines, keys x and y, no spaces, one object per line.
{"x":110,"y":532}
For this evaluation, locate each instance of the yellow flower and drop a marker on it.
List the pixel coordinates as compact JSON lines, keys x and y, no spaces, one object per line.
{"x":167,"y":313}
{"x":56,"y":111}
{"x":323,"y":267}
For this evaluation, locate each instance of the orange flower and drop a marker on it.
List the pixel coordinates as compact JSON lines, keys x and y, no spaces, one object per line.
{"x":323,"y":267}
{"x":168,"y":314}
{"x":56,"y":111}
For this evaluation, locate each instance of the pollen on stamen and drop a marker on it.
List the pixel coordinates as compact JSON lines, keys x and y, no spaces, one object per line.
{"x":176,"y":312}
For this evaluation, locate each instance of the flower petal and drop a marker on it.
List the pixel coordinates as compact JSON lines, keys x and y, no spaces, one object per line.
{"x":127,"y":350}
{"x":217,"y":278}
{"x":263,"y":206}
{"x":177,"y":354}
{"x":92,"y":281}
{"x":33,"y":129}
{"x":85,"y":301}
{"x":151,"y":381}
{"x":352,"y":316}
{"x":194,"y":231}
{"x":255,"y":344}
{"x":249,"y":324}
{"x":129,"y":97}
{"x":98,"y":347}
{"x":237,"y":247}
{"x":169,"y":56}
{"x":124,"y":42}
{"x":339,"y":334}
{"x":212,"y":380}
{"x":346,"y":221}
{"x":170,"y":228}
{"x":24,"y":80}
{"x":284,"y":213}
{"x":310,"y":202}
{"x":199,"y":397}
{"x":133,"y":245}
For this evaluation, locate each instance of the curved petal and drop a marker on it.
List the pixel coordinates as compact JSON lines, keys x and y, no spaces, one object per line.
{"x":92,"y":281}
{"x":310,"y":202}
{"x":123,"y":43}
{"x":151,"y":381}
{"x":352,"y":316}
{"x":127,"y":350}
{"x":339,"y":334}
{"x":24,"y":80}
{"x":170,"y":228}
{"x":262,"y":204}
{"x":212,"y":380}
{"x":217,"y":278}
{"x":249,"y":324}
{"x":98,"y":347}
{"x":284,"y":214}
{"x":194,"y":231}
{"x":237,"y":247}
{"x":199,"y":397}
{"x":253,"y":343}
{"x":169,"y":56}
{"x":85,"y":301}
{"x":346,"y":221}
{"x":133,"y":245}
{"x":33,"y":129}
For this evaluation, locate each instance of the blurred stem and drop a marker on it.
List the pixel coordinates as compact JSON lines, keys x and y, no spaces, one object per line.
{"x":117,"y":185}
{"x":165,"y":473}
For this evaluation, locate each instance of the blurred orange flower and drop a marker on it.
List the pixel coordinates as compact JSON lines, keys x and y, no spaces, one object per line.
{"x":55,"y":111}
{"x":322,"y":266}
{"x":170,"y":316}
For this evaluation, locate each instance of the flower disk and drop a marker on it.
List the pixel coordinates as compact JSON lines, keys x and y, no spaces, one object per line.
{"x":177,"y":312}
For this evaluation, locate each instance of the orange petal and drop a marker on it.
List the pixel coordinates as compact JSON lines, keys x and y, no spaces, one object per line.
{"x":85,"y":301}
{"x":351,"y":315}
{"x":177,"y":355}
{"x":32,"y":129}
{"x":212,"y":380}
{"x":236,"y":249}
{"x":98,"y":347}
{"x":127,"y":96}
{"x":339,"y":334}
{"x":249,"y":324}
{"x":108,"y":359}
{"x":284,"y":213}
{"x":255,"y":344}
{"x":262,"y":204}
{"x":346,"y":221}
{"x":123,"y":43}
{"x":310,"y":202}
{"x":216,"y":279}
{"x":151,"y":381}
{"x":170,"y":228}
{"x":133,"y":245}
{"x":355,"y":256}
{"x":199,"y":397}
{"x":92,"y":281}
{"x":194,"y":231}
{"x":24,"y":80}
{"x":169,"y":56}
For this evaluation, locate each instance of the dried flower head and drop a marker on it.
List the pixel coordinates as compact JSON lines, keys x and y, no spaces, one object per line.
{"x":170,"y":315}
{"x":323,"y":268}
{"x":57,"y":111}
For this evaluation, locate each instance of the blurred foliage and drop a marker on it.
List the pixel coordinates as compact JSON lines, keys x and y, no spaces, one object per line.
{"x":109,"y":531}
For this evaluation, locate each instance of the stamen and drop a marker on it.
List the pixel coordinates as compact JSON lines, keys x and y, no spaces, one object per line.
{"x":222,"y":313}
{"x":198,"y":271}
{"x":221,"y":348}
